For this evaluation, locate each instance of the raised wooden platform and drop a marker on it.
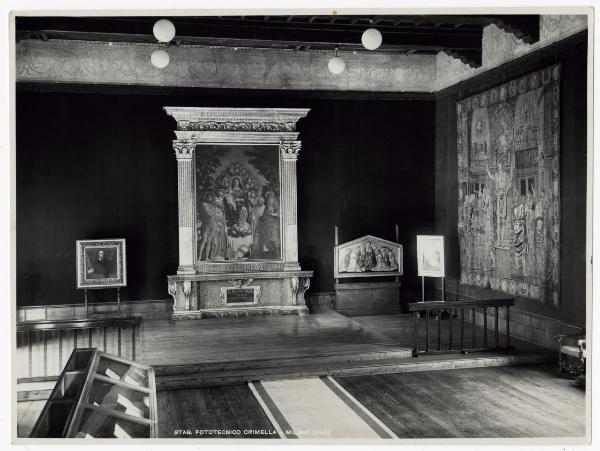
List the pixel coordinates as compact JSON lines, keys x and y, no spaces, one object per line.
{"x":227,"y":351}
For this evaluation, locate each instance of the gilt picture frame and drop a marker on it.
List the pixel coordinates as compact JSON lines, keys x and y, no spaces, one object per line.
{"x":101,"y":263}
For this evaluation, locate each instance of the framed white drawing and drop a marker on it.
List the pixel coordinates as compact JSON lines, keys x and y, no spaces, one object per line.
{"x":430,"y":255}
{"x":101,"y":264}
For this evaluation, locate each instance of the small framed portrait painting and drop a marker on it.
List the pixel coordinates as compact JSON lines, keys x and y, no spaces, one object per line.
{"x":101,"y":263}
{"x":430,"y":255}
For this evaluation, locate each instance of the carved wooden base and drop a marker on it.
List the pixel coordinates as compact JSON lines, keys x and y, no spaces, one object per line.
{"x":243,"y":312}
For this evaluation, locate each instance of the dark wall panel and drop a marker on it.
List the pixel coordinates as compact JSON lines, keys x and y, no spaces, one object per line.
{"x":572,"y":54}
{"x":93,"y":165}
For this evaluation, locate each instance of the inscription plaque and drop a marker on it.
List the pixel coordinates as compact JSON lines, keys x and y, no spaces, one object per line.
{"x":248,"y":295}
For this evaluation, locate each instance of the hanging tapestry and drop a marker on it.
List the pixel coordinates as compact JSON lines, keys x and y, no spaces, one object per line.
{"x":509,"y":187}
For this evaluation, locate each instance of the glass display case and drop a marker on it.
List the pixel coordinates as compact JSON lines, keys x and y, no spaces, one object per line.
{"x":99,"y":395}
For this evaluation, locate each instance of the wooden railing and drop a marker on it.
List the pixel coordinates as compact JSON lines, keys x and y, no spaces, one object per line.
{"x":43,"y":347}
{"x":454,"y":332}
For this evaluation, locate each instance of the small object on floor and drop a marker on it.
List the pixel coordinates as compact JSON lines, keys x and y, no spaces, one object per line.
{"x":572,"y":355}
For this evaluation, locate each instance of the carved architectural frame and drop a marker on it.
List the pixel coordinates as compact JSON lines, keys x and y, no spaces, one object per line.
{"x":236,"y":126}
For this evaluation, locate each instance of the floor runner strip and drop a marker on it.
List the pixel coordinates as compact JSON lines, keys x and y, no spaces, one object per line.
{"x":316,"y":408}
{"x":358,"y":408}
{"x":271,"y":410}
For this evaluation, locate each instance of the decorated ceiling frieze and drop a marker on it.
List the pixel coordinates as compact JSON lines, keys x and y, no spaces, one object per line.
{"x":91,"y":62}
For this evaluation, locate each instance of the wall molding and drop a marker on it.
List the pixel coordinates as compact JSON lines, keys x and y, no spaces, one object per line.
{"x":146,"y":308}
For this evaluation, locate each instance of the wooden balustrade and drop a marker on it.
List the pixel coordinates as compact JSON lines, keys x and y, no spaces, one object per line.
{"x":456,"y":311}
{"x":43,"y":347}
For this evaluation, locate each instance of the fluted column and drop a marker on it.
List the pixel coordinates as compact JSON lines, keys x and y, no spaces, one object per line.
{"x":289,"y":152}
{"x":184,"y":151}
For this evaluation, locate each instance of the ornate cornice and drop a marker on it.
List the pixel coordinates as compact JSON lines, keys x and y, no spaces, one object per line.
{"x":267,"y":120}
{"x":290,"y":149}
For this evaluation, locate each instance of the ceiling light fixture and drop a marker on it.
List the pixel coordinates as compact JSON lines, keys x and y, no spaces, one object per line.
{"x":164,"y":32}
{"x":160,"y":58}
{"x":371,"y":39}
{"x":336,"y":64}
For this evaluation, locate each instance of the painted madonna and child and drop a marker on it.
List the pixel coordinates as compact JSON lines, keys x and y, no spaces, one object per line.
{"x":368,"y":255}
{"x":238,"y":209}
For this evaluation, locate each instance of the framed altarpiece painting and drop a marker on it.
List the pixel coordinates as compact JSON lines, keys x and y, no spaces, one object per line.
{"x":237,"y":213}
{"x":238,"y":203}
{"x":508,"y":148}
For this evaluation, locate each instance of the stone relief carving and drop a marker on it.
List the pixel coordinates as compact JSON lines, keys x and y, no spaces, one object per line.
{"x":172,"y":290}
{"x":304,"y":284}
{"x":187,"y":292}
{"x":290,"y":149}
{"x":239,"y":283}
{"x":184,"y":149}
{"x":238,"y":126}
{"x":294,"y":282}
{"x":238,"y":267}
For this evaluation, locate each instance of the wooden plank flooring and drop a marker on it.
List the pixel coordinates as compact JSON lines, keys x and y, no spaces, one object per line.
{"x":210,"y":412}
{"x":511,"y":402}
{"x":168,"y":342}
{"x":27,"y":414}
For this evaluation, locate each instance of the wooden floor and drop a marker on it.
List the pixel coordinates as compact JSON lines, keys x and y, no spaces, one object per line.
{"x":509,"y":401}
{"x":302,"y":346}
{"x":27,"y":414}
{"x":494,"y":402}
{"x":168,"y":342}
{"x":221,"y":412}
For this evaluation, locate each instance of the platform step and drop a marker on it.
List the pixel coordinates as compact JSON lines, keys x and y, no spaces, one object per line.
{"x":321,"y":359}
{"x":199,"y":379}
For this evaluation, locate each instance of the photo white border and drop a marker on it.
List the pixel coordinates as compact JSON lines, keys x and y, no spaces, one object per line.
{"x":152,"y":7}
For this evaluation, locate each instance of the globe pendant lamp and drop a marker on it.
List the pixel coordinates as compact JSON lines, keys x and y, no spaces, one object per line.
{"x":159,"y":58}
{"x":371,"y":39}
{"x":164,"y":30}
{"x":336,"y":64}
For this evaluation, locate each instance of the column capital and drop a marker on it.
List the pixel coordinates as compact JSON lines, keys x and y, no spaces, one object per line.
{"x":184,"y":150}
{"x":290,"y":149}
